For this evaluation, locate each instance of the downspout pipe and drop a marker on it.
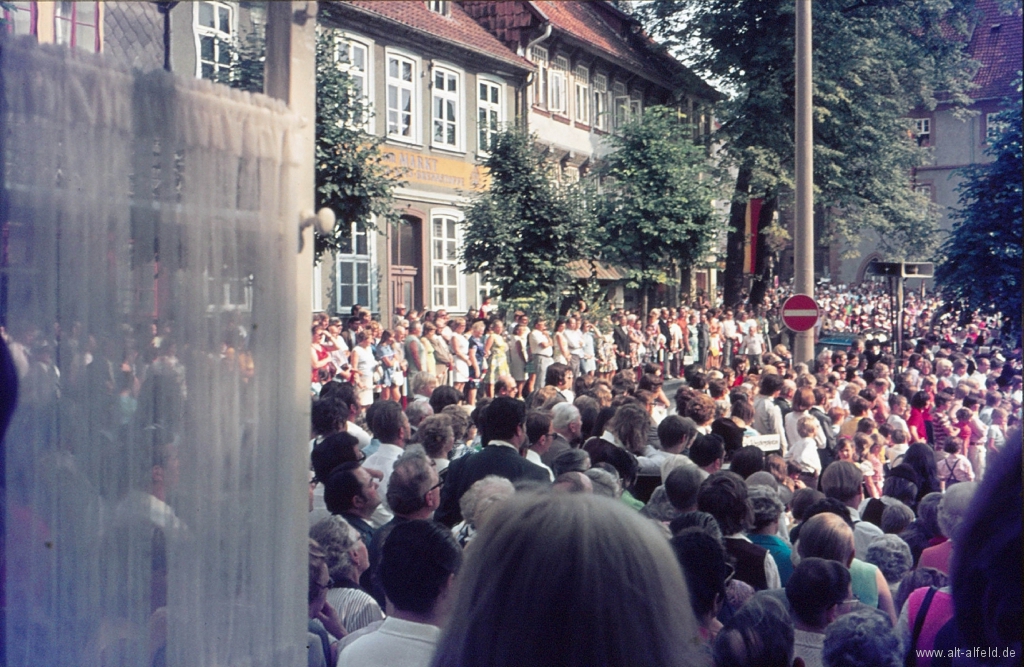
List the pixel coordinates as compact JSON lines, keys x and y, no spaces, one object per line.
{"x":525,"y":105}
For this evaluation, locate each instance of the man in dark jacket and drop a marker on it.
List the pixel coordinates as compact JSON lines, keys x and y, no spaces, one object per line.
{"x":503,"y":432}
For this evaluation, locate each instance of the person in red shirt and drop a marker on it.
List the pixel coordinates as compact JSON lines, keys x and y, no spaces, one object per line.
{"x":962,"y":427}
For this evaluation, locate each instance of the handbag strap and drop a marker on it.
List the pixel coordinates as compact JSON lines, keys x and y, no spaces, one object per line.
{"x":922,"y":613}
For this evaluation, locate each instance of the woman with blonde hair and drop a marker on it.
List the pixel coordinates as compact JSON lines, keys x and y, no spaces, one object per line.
{"x":571,"y":579}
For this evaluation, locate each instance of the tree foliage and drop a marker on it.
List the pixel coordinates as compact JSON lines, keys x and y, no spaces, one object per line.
{"x":874,"y":61}
{"x":656,"y":212}
{"x":525,"y":231}
{"x":980,"y":267}
{"x":353,"y":176}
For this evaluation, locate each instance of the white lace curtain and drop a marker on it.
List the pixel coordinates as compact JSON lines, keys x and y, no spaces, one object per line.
{"x":153,"y":486}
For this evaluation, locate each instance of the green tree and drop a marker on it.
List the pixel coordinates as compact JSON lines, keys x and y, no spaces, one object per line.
{"x":525,"y":231}
{"x":874,"y":61}
{"x":656,"y":214}
{"x":981,"y":259}
{"x":353,"y":176}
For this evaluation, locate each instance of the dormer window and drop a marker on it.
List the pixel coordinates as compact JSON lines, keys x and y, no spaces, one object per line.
{"x":442,"y":7}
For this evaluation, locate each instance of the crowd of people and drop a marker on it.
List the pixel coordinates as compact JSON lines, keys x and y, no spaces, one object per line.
{"x":602,"y":492}
{"x":526,"y":495}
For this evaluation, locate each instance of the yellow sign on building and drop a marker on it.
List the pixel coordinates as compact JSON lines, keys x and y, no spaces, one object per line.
{"x":437,"y":171}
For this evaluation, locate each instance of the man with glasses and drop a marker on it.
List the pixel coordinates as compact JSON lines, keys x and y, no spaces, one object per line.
{"x":352,"y":493}
{"x":414,"y":492}
{"x":539,"y":436}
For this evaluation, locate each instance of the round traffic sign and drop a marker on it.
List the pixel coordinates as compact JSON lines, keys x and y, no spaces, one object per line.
{"x":800,"y":312}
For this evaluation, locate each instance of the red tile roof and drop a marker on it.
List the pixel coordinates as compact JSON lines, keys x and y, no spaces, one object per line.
{"x":996,"y":45}
{"x":585,"y":22}
{"x":457,"y":28}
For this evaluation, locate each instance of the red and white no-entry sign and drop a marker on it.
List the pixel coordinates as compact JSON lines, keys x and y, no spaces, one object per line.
{"x":800,"y":312}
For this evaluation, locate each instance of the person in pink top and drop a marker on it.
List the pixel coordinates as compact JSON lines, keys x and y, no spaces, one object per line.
{"x":952,"y":510}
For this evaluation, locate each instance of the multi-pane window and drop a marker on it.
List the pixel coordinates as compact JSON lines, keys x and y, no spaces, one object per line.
{"x":401,"y":97}
{"x":488,"y":113}
{"x":77,"y":25}
{"x":539,"y":57}
{"x":353,"y":266}
{"x":20,"y":18}
{"x":558,"y":97}
{"x":353,"y":58}
{"x":995,"y":126}
{"x":600,"y":102}
{"x":620,"y":104}
{"x":446,"y":112}
{"x":635,"y":108}
{"x":215,"y":23}
{"x":582,"y":83}
{"x":923,"y":128}
{"x":445,"y":262}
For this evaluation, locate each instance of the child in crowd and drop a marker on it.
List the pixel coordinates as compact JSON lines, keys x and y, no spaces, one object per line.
{"x":874,"y":457}
{"x":898,"y":448}
{"x":844,"y":449}
{"x":955,"y":467}
{"x":862,"y":445}
{"x":804,"y":452}
{"x":962,"y":426}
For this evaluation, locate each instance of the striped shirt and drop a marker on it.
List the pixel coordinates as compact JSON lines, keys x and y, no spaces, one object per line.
{"x":356,"y":608}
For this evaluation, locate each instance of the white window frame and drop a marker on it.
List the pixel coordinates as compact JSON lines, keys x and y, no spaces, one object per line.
{"x":558,"y":97}
{"x":636,"y":108}
{"x":487,"y":107}
{"x":923,"y":128}
{"x":581,"y":77}
{"x":413,"y":86}
{"x":446,"y":260}
{"x":539,"y":57}
{"x":356,"y":260}
{"x":600,"y":106}
{"x":350,"y":43}
{"x":457,"y":99}
{"x":620,"y":100}
{"x":218,"y":35}
{"x":993,"y":125}
{"x":442,"y":7}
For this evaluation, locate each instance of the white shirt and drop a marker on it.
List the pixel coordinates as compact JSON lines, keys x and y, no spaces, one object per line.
{"x":384,"y":460}
{"x":540,"y":343}
{"x":359,"y":434}
{"x":864,"y":533}
{"x":534,"y":458}
{"x":396,"y":642}
{"x":792,"y":434}
{"x":804,"y":453}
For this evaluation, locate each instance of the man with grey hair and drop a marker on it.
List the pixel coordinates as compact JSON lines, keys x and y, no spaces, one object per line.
{"x":862,"y":638}
{"x":422,"y":386}
{"x":604,"y":483}
{"x":413,"y":492}
{"x":566,"y":426}
{"x":952,"y":510}
{"x":416,"y":412}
